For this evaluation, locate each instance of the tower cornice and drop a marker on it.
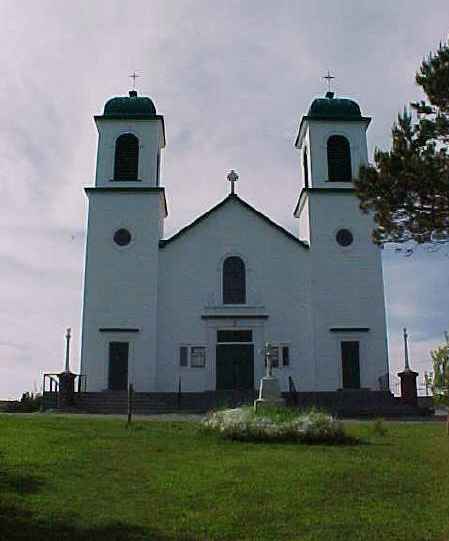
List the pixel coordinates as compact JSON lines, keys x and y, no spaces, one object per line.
{"x":366,"y":120}
{"x":128,"y":189}
{"x":305,"y":191}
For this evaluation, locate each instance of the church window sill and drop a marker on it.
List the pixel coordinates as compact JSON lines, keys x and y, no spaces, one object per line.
{"x":234,"y":311}
{"x":127,"y":181}
{"x":349,"y":329}
{"x":117,"y":329}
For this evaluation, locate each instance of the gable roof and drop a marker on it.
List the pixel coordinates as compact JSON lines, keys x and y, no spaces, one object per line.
{"x":232,"y":197}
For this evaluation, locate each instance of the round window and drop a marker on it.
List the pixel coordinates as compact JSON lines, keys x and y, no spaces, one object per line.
{"x":344,"y":237}
{"x":122,"y":237}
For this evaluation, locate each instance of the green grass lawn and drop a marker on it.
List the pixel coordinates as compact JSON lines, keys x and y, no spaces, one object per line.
{"x":65,"y":478}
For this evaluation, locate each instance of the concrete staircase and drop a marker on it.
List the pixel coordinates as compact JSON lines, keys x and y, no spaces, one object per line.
{"x":344,"y":403}
{"x":147,"y":403}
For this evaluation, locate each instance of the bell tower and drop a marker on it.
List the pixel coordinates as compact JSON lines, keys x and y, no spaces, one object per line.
{"x":127,"y":208}
{"x":130,"y":138}
{"x":347,"y":284}
{"x":332,"y":146}
{"x":332,"y":143}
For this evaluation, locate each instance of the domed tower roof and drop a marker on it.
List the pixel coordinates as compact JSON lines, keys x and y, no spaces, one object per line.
{"x":132,"y":106}
{"x":330,"y":107}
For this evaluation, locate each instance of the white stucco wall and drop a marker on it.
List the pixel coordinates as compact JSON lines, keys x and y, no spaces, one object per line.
{"x":120,"y":284}
{"x":190,"y":286}
{"x":347,"y":289}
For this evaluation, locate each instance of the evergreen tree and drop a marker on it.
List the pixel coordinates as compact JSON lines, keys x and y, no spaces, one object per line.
{"x":408,"y":188}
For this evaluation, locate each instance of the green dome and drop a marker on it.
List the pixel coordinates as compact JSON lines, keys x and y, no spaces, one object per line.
{"x":334,"y":108}
{"x":133,"y":106}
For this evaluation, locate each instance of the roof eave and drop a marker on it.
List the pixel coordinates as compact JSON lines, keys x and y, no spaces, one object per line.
{"x":234,"y":197}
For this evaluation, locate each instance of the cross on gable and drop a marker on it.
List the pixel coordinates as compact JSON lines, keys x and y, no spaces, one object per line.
{"x":233,"y":178}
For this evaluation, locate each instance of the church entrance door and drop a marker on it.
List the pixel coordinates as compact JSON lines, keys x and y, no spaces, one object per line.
{"x":118,"y":366}
{"x":235,"y":366}
{"x":350,"y":360}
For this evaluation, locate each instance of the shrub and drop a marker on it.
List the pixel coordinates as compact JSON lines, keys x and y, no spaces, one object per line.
{"x":276,"y":425}
{"x":29,"y":403}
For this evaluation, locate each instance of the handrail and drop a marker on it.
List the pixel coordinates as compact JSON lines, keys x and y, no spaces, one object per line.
{"x":51,"y":380}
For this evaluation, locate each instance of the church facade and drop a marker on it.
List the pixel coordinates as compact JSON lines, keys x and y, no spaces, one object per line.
{"x":195,"y":311}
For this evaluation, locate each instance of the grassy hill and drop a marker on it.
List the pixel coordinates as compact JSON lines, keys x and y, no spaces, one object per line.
{"x":73,"y":478}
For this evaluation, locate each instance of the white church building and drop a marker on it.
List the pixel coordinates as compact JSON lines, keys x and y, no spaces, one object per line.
{"x":195,"y":310}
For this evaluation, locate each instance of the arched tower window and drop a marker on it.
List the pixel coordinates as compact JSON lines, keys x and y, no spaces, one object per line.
{"x":126,"y":164}
{"x":339,"y":159}
{"x":305,"y":166}
{"x":234,"y":281}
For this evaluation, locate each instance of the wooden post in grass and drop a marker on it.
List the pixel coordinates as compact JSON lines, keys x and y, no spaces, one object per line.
{"x":130,"y":403}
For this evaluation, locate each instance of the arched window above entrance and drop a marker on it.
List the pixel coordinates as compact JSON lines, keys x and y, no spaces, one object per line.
{"x":234,"y":281}
{"x":126,"y":163}
{"x":339,"y":159}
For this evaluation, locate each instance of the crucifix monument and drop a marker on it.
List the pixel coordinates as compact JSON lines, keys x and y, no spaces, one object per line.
{"x":270,"y":389}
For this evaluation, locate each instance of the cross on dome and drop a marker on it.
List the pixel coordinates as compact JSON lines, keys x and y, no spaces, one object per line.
{"x":233,"y":178}
{"x":134,"y":76}
{"x":329,"y":78}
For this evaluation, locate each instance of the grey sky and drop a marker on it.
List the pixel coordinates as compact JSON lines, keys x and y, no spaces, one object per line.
{"x":232,"y":80}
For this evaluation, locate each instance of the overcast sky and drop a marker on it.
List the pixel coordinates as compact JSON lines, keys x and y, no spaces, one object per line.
{"x":232,"y":79}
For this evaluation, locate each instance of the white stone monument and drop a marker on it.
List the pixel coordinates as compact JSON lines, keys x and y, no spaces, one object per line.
{"x":270,"y":389}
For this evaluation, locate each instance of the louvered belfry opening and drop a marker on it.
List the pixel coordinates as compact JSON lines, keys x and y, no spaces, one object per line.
{"x":126,"y":165}
{"x":234,"y":281}
{"x":339,"y":159}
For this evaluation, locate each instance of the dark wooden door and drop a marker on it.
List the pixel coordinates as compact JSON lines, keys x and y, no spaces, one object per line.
{"x":118,"y":366}
{"x":235,"y":366}
{"x":350,"y":360}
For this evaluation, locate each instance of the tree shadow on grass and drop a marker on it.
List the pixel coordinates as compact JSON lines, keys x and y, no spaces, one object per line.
{"x":19,"y":483}
{"x":17,"y":522}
